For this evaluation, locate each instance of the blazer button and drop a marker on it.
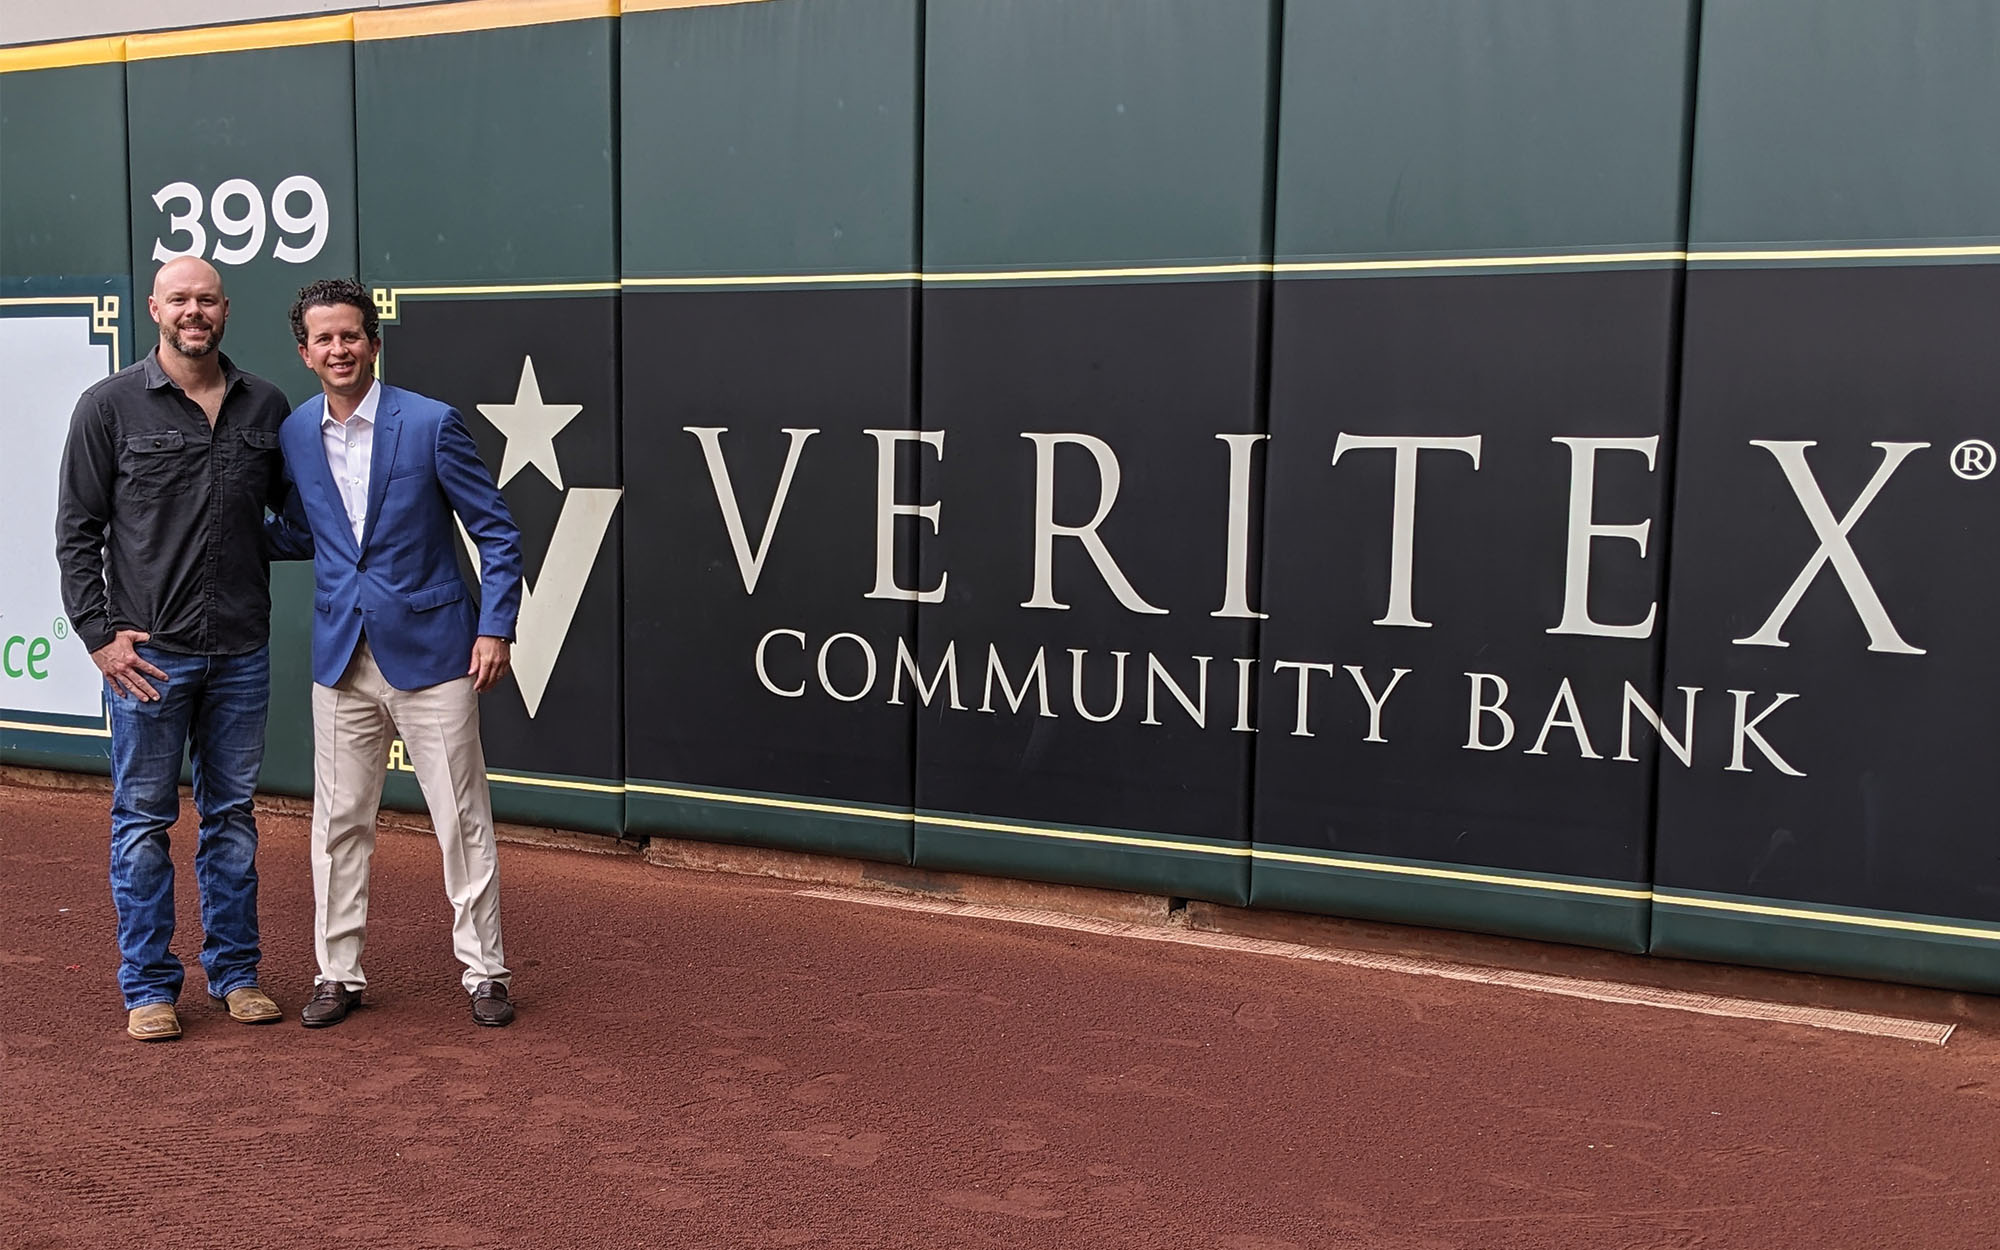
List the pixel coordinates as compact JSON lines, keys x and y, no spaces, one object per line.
{"x":361,"y":566}
{"x":357,"y":611}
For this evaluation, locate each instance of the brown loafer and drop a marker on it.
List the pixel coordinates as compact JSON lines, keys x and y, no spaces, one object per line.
{"x":250,"y":1005}
{"x":490,"y":1005}
{"x":155,"y":1022}
{"x":330,"y":1003}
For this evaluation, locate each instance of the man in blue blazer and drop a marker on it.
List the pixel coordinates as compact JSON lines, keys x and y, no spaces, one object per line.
{"x":398,"y":643}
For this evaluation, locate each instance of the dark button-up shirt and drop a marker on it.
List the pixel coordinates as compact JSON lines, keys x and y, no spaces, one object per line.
{"x":160,"y":524}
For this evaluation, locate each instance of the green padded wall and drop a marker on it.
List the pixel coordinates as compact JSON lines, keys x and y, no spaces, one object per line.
{"x":1427,"y":128}
{"x":487,"y":189}
{"x":65,"y":321}
{"x":1125,"y":136}
{"x":858,"y":308}
{"x":1839,"y":381}
{"x":62,"y":178}
{"x":1461,"y":192}
{"x":205,"y":121}
{"x":1846,"y":122}
{"x":1090,"y":135}
{"x":770,"y":139}
{"x":769,"y":233}
{"x":202,"y":128}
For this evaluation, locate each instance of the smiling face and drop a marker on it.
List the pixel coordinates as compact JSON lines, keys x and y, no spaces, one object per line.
{"x":338,"y":350}
{"x":188,"y":302}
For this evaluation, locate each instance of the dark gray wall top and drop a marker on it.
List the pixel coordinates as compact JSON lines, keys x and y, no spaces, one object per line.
{"x":1847,"y":121}
{"x":771,"y":138}
{"x":62,"y":174}
{"x":487,"y":156}
{"x":1420,"y":127}
{"x":1118,"y":132}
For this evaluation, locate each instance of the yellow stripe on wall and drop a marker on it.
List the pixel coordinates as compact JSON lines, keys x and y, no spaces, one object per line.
{"x":1476,"y":262}
{"x":655,"y":6}
{"x":549,"y":783}
{"x":1082,"y":835}
{"x":780,"y":279}
{"x":62,"y":55}
{"x":473,"y":15}
{"x":1929,"y":928}
{"x":251,"y":37}
{"x":1451,"y":874}
{"x":751,"y":800}
{"x":66,"y":730}
{"x":1848,"y":253}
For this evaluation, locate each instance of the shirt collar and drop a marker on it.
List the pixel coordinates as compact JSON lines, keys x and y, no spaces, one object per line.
{"x":156,"y":375}
{"x":364,"y":412}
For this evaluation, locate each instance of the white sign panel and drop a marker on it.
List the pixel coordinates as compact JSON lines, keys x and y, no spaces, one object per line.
{"x":48,"y":362}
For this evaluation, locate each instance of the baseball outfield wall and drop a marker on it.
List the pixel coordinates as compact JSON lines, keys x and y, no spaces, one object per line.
{"x":1520,"y":467}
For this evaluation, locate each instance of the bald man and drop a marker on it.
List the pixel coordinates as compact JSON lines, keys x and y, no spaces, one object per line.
{"x":160,"y":532}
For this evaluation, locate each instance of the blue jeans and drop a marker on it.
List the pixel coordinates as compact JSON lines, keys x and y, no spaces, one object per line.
{"x":215,"y":707}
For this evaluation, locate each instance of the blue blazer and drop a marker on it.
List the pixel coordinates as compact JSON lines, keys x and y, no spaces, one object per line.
{"x":401,"y":582}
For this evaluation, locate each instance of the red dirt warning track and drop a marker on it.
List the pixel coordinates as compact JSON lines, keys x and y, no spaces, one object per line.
{"x":712,"y":1061}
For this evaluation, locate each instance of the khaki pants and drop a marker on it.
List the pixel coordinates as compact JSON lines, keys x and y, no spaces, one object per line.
{"x":353,"y":723}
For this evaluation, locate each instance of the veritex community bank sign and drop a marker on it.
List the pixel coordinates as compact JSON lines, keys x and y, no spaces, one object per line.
{"x":1218,"y":691}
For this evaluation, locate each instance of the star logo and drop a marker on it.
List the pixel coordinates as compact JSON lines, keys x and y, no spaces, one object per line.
{"x":549,"y":607}
{"x":531,"y":425}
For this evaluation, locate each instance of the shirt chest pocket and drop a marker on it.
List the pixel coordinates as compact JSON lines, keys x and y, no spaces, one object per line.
{"x":254,"y":457}
{"x":162,"y":462}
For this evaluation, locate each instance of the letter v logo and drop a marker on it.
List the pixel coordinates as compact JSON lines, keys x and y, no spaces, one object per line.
{"x":549,"y":607}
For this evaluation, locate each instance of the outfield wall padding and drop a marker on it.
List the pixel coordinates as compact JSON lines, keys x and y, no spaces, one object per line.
{"x":1450,"y":639}
{"x":489,"y":230}
{"x":1833,"y":508}
{"x":1084,"y":539}
{"x":66,"y":297}
{"x":1612,"y":379}
{"x":206,"y":148}
{"x":770,"y":205}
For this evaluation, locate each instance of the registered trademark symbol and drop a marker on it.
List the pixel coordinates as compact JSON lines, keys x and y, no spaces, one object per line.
{"x":61,"y":628}
{"x":1973,"y":459}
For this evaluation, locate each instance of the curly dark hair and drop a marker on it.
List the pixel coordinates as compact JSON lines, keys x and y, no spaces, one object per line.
{"x":329,"y":292}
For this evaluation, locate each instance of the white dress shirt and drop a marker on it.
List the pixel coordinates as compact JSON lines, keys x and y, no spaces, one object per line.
{"x":350,"y":445}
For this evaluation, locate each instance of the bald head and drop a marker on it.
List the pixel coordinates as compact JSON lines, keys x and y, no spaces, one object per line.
{"x":188,"y":303}
{"x":186,"y":271}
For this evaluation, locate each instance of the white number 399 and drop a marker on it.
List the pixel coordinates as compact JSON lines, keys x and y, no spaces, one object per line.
{"x":236,"y":208}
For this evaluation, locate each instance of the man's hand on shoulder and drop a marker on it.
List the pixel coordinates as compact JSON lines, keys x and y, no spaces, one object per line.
{"x":127,"y":671}
{"x":491,"y":658}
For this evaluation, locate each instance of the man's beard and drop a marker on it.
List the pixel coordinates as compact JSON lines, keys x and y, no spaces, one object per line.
{"x":196,"y":353}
